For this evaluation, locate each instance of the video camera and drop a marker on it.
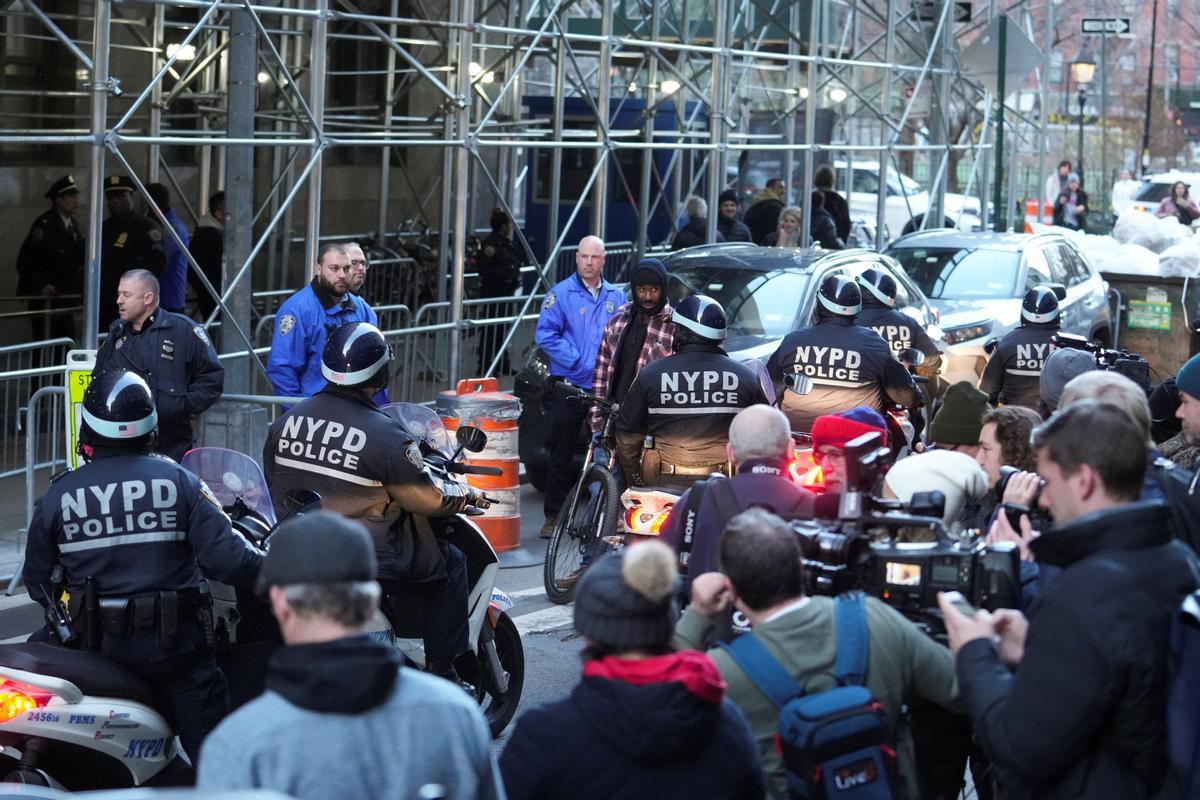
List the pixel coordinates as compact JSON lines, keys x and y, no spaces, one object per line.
{"x":860,"y":549}
{"x":1122,"y":362}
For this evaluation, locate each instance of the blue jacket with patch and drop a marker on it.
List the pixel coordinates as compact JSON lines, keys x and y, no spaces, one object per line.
{"x":301,"y":326}
{"x":172,"y":286}
{"x":572,"y":324}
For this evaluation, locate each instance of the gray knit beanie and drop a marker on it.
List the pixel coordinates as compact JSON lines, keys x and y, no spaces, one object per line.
{"x":1058,"y":370}
{"x":626,"y":602}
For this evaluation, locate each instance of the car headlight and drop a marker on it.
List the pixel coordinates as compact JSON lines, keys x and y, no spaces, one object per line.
{"x":968,"y":332}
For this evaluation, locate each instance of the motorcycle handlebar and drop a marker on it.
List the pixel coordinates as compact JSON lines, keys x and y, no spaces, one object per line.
{"x":473,"y":469}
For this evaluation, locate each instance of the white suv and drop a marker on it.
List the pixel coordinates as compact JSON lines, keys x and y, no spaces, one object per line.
{"x":906,"y":202}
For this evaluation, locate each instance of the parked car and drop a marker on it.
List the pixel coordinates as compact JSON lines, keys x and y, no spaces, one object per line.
{"x":977,"y":281}
{"x":1159,"y":186}
{"x":906,"y":202}
{"x":767,"y":292}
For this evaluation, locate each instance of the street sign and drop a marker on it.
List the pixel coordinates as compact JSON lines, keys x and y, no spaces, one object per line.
{"x":931,"y":10}
{"x":1113,"y":25}
{"x":78,"y":374}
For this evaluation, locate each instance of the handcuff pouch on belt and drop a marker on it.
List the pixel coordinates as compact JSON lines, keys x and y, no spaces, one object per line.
{"x":160,"y":612}
{"x":651,"y":463}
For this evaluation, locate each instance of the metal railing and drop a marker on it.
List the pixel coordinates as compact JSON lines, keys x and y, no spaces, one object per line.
{"x":24,"y":369}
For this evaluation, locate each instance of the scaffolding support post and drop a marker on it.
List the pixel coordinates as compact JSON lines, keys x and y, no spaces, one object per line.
{"x":239,"y":194}
{"x":1002,"y":213}
{"x":603,"y":95}
{"x":718,"y":129}
{"x":316,"y":101}
{"x":462,"y":181}
{"x":100,"y":88}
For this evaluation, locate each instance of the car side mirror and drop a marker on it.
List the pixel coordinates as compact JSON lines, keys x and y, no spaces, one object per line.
{"x":800,"y":384}
{"x":471,"y":439}
{"x":1059,"y":290}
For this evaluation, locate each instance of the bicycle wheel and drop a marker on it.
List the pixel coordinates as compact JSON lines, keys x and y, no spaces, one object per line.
{"x":586,"y":523}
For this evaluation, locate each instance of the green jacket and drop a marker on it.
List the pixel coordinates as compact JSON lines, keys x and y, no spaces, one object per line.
{"x":902,"y":662}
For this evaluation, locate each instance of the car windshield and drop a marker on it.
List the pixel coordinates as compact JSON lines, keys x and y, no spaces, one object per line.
{"x":896,"y":181}
{"x":1153,"y":192}
{"x":757,"y":302}
{"x":960,"y":273}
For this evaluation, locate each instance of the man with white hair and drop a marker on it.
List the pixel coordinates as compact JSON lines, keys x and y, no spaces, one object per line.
{"x":695,"y":232}
{"x":760,"y":449}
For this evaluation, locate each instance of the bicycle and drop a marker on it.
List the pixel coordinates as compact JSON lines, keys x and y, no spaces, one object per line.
{"x":587,"y":524}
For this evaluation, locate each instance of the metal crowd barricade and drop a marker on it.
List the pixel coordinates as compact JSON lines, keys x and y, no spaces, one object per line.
{"x":25,"y":368}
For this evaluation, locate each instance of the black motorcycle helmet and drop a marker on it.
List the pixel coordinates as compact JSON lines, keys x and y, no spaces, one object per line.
{"x":1040,"y":305}
{"x":699,"y":318}
{"x":356,"y":355}
{"x":880,"y":285}
{"x":118,"y":410}
{"x":840,"y":296}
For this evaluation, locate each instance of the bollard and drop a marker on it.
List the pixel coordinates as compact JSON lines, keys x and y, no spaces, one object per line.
{"x":479,"y":402}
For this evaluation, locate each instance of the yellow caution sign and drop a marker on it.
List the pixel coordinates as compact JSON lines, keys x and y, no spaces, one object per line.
{"x":78,"y":374}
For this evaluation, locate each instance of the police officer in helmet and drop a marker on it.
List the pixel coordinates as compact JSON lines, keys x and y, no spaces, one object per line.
{"x":367,"y":467}
{"x":139,"y":529}
{"x":879,"y":313}
{"x":1013,"y":374}
{"x":847,"y":365}
{"x":674,"y":424}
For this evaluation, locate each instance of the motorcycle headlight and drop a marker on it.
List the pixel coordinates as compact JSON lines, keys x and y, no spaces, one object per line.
{"x":968,"y":332}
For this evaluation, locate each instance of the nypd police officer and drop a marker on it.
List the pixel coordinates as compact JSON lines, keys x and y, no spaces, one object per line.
{"x":674,"y":424}
{"x":170,"y":351}
{"x":1013,"y":373}
{"x":366,"y":467}
{"x":129,"y":241}
{"x":136,"y":530}
{"x":879,"y":313}
{"x":50,"y":262}
{"x":847,"y":365}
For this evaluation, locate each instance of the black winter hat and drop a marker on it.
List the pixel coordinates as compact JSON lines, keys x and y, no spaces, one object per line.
{"x":626,"y":602}
{"x":647,"y":271}
{"x":321,"y":547}
{"x":727,"y":195}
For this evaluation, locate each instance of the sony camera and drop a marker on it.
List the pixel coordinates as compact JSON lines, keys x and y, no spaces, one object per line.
{"x":1122,"y":362}
{"x":900,"y":552}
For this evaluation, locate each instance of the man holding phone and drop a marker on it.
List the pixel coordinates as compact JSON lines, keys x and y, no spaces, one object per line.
{"x":1084,"y":716}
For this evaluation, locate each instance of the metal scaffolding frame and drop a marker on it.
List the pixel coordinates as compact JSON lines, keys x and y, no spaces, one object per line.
{"x":444,"y":86}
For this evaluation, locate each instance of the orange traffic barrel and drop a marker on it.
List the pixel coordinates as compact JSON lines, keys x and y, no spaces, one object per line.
{"x":1031,"y":211}
{"x":479,"y":402}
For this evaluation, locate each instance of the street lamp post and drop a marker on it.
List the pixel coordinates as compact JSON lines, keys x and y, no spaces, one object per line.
{"x":1083,"y":69}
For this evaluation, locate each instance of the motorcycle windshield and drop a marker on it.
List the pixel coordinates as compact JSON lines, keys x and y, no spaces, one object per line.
{"x":231,"y":475}
{"x":423,"y":424}
{"x":764,"y":379}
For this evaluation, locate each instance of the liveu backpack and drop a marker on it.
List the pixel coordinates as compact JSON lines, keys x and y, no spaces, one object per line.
{"x":836,"y":744}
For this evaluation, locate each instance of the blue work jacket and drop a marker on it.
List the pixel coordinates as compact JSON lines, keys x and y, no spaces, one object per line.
{"x":572,"y":324}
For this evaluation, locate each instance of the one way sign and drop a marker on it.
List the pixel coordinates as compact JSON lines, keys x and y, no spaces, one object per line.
{"x":1110,"y":25}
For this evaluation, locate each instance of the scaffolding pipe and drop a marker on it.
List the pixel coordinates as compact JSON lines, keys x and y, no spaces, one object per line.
{"x":462,"y":186}
{"x":316,"y":89}
{"x":100,"y":88}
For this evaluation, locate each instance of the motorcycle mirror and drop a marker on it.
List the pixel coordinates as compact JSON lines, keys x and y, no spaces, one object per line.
{"x":990,"y":346}
{"x":912,"y":357}
{"x":800,"y":384}
{"x":471,"y":438}
{"x":1059,"y":290}
{"x":299,"y":501}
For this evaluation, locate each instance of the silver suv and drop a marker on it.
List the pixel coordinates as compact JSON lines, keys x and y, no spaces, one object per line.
{"x":976,"y":282}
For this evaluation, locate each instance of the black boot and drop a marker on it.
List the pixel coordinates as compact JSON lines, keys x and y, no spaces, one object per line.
{"x":443,"y":667}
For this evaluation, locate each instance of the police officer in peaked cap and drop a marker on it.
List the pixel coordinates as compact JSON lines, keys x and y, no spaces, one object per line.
{"x":129,"y":240}
{"x":141,"y":530}
{"x":674,"y":424}
{"x":50,"y":262}
{"x":846,"y":365}
{"x":1014,"y":372}
{"x":367,"y":467}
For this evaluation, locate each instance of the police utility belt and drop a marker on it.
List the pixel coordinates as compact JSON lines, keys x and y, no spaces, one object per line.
{"x":120,"y":617}
{"x":680,"y":469}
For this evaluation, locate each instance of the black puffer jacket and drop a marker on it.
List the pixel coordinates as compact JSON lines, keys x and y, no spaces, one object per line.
{"x":1084,"y":715}
{"x":694,"y":234}
{"x":614,"y":739}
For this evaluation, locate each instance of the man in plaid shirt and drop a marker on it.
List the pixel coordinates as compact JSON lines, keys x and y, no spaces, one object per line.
{"x":640,"y":332}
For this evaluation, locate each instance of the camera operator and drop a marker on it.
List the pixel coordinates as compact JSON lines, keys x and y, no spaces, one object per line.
{"x":1084,"y":715}
{"x":1003,"y":442}
{"x":764,"y":578}
{"x":829,"y":436}
{"x":1012,"y":373}
{"x":760,"y":449}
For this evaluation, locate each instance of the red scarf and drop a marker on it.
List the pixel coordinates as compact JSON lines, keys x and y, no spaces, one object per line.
{"x":693,"y":669}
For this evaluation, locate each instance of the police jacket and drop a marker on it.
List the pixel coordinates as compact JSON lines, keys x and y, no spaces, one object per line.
{"x":571,"y":326}
{"x":302,"y":324}
{"x":759,"y":483}
{"x":365,"y":467}
{"x":1083,"y":716}
{"x":686,"y":402}
{"x":179,"y":364}
{"x":499,"y":267}
{"x":848,"y":365}
{"x":899,"y":330}
{"x":51,"y":255}
{"x":130,"y":241}
{"x":136,"y":522}
{"x":1014,"y":372}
